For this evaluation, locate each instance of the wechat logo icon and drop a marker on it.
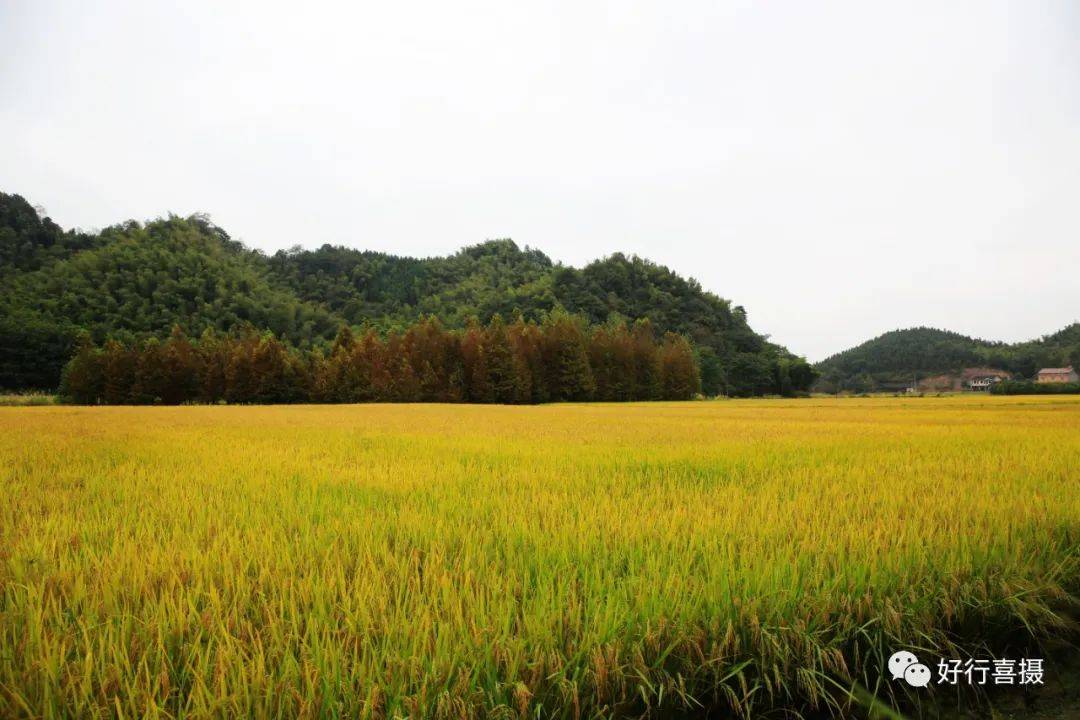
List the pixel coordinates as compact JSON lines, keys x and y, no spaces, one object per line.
{"x":904,"y":665}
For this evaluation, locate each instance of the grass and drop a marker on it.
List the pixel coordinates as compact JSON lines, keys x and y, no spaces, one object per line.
{"x":26,"y":399}
{"x":555,"y":561}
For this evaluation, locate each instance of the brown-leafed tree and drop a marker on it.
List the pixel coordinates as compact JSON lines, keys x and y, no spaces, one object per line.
{"x":679,"y":374}
{"x":559,"y":359}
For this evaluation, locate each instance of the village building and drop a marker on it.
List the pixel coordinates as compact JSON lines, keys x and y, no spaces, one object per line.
{"x":982,"y":379}
{"x":1057,"y":375}
{"x":977,"y":379}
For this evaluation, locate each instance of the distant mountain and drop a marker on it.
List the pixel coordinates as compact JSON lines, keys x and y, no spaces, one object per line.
{"x":889,"y":361}
{"x":134,"y":280}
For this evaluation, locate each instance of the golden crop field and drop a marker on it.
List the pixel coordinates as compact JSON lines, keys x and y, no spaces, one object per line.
{"x":552,"y":561}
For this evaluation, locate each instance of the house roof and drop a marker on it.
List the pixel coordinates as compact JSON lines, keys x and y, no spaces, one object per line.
{"x":1055,"y":371}
{"x":968,"y":373}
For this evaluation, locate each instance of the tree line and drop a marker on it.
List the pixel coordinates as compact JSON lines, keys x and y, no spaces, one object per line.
{"x":561,"y":358}
{"x":1030,"y":387}
{"x":133,"y":281}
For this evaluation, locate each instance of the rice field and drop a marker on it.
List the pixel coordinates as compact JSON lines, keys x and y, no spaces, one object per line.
{"x":569,"y":561}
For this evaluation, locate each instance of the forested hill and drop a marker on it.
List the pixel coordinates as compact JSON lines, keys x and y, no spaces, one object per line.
{"x":136,"y":280}
{"x":894,"y":357}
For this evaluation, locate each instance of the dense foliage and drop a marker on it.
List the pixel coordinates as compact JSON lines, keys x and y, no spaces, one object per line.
{"x":890,"y":361}
{"x":559,"y":359}
{"x":29,"y":241}
{"x":1027,"y":387}
{"x":499,"y":277}
{"x":132,"y":281}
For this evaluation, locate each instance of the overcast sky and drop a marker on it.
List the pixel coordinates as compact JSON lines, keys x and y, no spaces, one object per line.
{"x":839,"y":169}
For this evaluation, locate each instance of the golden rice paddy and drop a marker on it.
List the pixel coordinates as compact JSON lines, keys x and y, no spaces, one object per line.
{"x":553,"y":561}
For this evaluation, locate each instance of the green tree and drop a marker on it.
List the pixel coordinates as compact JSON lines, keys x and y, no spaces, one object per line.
{"x":181,"y":368}
{"x":83,"y":380}
{"x":565,"y":356}
{"x":118,"y":373}
{"x":647,"y":366}
{"x":503,"y":375}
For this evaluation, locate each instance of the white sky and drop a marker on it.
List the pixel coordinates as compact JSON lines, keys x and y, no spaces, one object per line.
{"x":840,"y":169}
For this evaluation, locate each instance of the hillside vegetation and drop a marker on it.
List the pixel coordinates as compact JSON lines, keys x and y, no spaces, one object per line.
{"x":890,"y":360}
{"x":133,"y":281}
